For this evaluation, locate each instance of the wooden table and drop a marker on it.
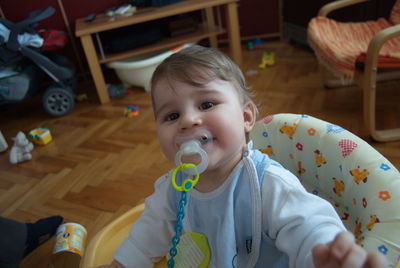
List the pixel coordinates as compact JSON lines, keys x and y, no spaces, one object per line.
{"x":87,"y":31}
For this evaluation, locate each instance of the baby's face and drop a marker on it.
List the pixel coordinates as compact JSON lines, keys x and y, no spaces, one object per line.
{"x":216,"y":108}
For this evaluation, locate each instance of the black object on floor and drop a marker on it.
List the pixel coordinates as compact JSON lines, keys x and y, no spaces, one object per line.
{"x":41,"y":231}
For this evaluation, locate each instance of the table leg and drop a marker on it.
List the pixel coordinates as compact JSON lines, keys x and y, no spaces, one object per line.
{"x":95,"y":68}
{"x":233,"y":33}
{"x":211,"y":23}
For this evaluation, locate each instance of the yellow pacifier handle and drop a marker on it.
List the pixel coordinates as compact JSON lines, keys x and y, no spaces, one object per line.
{"x":187,"y":184}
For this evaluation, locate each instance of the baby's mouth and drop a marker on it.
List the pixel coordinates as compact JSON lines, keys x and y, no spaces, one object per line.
{"x":202,"y":136}
{"x":191,"y":150}
{"x":204,"y":140}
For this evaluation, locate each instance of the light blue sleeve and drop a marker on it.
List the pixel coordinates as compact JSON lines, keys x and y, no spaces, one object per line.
{"x":295,"y":219}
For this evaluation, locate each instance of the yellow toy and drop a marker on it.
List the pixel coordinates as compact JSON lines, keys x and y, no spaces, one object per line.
{"x":40,"y":135}
{"x":81,"y":97}
{"x":131,"y":111}
{"x":268,"y":59}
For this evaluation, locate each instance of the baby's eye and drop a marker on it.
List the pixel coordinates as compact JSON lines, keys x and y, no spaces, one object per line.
{"x":206,"y":105}
{"x":172,"y":117}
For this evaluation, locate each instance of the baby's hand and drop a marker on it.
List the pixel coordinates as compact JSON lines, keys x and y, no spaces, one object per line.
{"x":343,"y":252}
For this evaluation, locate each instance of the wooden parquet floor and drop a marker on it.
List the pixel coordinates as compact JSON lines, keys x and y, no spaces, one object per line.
{"x":100,"y":164}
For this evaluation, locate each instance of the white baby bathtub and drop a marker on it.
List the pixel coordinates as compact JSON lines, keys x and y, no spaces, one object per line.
{"x":137,"y":71}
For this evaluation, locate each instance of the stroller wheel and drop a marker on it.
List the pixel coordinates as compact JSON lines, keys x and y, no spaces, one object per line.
{"x":58,"y":101}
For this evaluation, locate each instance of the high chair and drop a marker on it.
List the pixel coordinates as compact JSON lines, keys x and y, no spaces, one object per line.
{"x":331,"y":162}
{"x":364,"y":52}
{"x":102,"y":246}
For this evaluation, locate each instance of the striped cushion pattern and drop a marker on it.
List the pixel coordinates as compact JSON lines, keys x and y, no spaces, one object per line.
{"x":337,"y":45}
{"x":395,"y":14}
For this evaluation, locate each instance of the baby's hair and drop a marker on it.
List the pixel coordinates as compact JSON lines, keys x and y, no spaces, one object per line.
{"x":197,"y":65}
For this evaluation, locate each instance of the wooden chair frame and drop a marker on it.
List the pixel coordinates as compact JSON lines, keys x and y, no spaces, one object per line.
{"x":368,"y":78}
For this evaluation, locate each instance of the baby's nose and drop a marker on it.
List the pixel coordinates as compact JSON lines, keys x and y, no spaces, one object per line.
{"x":190,"y":120}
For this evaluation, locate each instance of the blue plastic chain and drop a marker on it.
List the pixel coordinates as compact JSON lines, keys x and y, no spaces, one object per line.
{"x":178,"y":230}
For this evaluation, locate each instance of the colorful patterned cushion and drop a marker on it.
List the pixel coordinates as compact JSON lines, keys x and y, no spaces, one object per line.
{"x":337,"y":45}
{"x":333,"y":163}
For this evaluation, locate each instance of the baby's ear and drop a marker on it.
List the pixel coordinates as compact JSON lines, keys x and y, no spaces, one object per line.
{"x":249,"y":115}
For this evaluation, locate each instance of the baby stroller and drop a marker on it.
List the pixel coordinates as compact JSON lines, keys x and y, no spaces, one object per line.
{"x":22,"y":65}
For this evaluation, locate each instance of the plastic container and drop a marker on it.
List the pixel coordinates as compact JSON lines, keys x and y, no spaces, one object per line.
{"x":137,"y":71}
{"x":40,"y":136}
{"x":70,"y":245}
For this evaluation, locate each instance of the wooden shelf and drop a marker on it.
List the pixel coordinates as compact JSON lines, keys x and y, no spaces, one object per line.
{"x":103,"y":23}
{"x":202,"y":32}
{"x":85,"y":31}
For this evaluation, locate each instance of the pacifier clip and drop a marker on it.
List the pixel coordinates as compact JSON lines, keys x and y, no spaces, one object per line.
{"x":194,"y":250}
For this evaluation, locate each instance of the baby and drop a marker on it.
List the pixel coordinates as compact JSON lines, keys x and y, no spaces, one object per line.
{"x":246,"y":209}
